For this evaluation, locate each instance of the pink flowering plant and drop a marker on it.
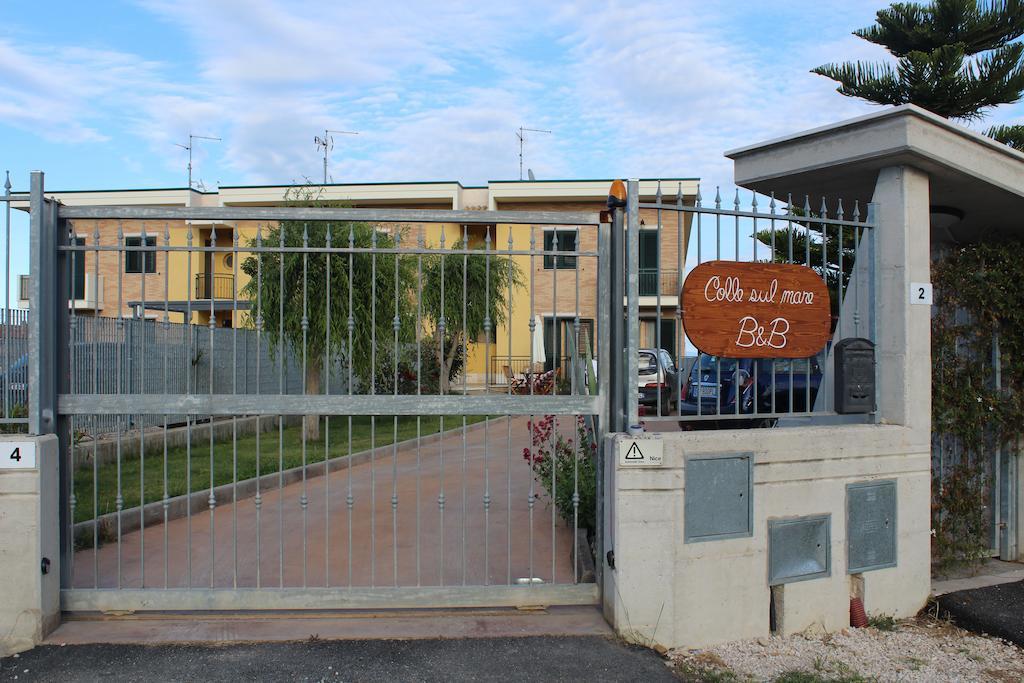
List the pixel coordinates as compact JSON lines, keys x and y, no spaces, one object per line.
{"x":566,"y":464}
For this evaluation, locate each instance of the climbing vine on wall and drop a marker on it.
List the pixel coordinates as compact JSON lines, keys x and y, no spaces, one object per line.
{"x":975,"y":410}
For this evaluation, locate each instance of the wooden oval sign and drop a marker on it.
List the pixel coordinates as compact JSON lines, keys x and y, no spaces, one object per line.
{"x":756,"y":310}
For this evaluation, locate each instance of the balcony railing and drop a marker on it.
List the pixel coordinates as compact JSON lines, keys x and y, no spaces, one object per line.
{"x":655,"y":283}
{"x":214,"y":286}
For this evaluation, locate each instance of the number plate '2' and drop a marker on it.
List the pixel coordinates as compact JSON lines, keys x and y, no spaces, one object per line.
{"x":17,"y":455}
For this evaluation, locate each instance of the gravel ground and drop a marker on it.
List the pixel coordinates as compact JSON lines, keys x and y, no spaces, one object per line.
{"x":917,"y":650}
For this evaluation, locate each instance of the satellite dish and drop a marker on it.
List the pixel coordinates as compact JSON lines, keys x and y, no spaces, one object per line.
{"x":529,"y":173}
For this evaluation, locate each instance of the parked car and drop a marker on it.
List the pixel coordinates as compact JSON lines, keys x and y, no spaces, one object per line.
{"x":657,"y":378}
{"x":791,"y":387}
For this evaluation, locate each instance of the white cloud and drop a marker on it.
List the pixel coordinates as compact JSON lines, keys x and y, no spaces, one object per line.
{"x":59,"y":94}
{"x":436,"y":89}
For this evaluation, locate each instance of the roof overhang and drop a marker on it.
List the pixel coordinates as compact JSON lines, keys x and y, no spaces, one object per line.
{"x":968,"y":171}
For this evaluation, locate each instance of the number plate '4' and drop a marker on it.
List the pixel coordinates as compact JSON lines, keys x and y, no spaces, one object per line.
{"x":17,"y":455}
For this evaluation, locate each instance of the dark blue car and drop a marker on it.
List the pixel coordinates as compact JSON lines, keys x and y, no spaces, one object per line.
{"x":780,"y":385}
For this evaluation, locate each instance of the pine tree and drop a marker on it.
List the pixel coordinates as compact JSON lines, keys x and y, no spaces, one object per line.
{"x":957,"y":58}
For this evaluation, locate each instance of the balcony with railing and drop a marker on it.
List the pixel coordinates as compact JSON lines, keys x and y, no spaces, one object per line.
{"x":214,"y":286}
{"x":659,"y":283}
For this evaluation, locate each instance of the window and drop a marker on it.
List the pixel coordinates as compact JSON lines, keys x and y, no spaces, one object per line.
{"x":559,"y":240}
{"x":135,"y":260}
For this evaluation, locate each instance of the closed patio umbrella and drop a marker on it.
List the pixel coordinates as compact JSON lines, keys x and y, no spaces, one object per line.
{"x":539,"y":357}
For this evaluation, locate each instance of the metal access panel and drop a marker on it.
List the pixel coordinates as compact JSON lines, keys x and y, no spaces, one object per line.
{"x":870,"y":525}
{"x":799,"y":549}
{"x":718,"y":497}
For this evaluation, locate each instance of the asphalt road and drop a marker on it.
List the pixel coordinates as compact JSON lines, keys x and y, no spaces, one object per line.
{"x":476,"y":659}
{"x":995,"y":610}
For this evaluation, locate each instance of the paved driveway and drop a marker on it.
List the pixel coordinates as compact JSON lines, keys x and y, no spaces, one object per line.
{"x":400,"y":530}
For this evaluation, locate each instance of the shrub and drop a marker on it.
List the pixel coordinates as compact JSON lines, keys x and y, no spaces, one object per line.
{"x":569,"y":464}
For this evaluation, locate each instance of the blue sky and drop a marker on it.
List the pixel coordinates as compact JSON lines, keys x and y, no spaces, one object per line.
{"x":97,"y":94}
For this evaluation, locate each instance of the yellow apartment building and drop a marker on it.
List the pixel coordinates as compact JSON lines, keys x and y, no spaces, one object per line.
{"x":196,"y":285}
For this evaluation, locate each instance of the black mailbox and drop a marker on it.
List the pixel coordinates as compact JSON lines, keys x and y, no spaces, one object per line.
{"x":855,"y":376}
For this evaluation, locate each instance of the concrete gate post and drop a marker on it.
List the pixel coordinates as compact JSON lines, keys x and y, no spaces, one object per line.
{"x":30,"y":551}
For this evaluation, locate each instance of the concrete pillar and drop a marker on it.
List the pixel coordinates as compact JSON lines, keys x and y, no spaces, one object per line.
{"x":29,"y":527}
{"x":903,"y":342}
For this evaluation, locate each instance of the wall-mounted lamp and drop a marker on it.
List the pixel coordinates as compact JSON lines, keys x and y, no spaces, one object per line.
{"x":945,"y":217}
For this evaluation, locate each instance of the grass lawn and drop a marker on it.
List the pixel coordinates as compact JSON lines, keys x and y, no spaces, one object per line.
{"x":179,"y":464}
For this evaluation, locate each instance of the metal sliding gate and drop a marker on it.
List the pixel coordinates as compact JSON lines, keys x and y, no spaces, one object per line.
{"x":359,"y":453}
{"x":301,"y":407}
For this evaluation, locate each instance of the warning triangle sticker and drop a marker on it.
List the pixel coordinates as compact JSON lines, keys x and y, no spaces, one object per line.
{"x":634,"y":453}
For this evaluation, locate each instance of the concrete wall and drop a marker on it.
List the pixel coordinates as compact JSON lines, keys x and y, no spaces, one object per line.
{"x":29,"y":599}
{"x":664,"y":590}
{"x":694,"y":594}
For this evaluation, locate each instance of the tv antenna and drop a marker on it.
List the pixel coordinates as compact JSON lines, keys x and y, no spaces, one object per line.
{"x":521,"y":134}
{"x":327,"y":144}
{"x":189,"y":148}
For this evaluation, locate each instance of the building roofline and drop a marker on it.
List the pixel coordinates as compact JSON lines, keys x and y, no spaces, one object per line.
{"x":367,"y":184}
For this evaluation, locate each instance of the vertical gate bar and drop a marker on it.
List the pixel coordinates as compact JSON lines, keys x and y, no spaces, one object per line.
{"x":718,"y":255}
{"x":632,"y":296}
{"x":487,"y":389}
{"x":700,"y":379}
{"x":532,"y":381}
{"x":351,"y":324}
{"x":604,"y":341}
{"x":397,"y":324}
{"x":95,"y":446}
{"x":614,"y":258}
{"x":771,"y":209}
{"x":211,"y":501}
{"x":807,"y":262}
{"x":280,"y":418}
{"x":657,"y":300}
{"x":373,"y":418}
{"x":680,"y":341}
{"x":7,"y":294}
{"x":187,"y":328}
{"x":442,"y":382}
{"x":166,"y":329}
{"x":574,"y":390}
{"x":119,"y":501}
{"x":142,"y":389}
{"x":258,"y":499}
{"x":465,"y":375}
{"x":508,"y":423}
{"x":327,"y":367}
{"x":557,"y":344}
{"x":39,"y":258}
{"x":304,"y":500}
{"x":420,"y":243}
{"x":872,"y":272}
{"x":736,"y":219}
{"x":789,"y":259}
{"x":234,"y":418}
{"x":754,"y":393}
{"x":69,"y":571}
{"x":58,"y":383}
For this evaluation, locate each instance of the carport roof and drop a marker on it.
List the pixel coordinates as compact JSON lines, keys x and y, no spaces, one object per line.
{"x":968,"y":171}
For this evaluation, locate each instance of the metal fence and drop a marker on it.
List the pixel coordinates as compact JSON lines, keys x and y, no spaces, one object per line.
{"x":138,"y":356}
{"x":827,"y":239}
{"x":403,"y":479}
{"x":13,"y":339}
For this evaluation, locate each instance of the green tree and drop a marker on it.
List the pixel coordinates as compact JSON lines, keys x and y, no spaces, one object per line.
{"x":462,"y":294}
{"x":298,"y":315}
{"x":957,"y":58}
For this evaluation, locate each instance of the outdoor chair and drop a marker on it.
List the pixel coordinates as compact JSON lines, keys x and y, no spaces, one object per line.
{"x":516,"y":383}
